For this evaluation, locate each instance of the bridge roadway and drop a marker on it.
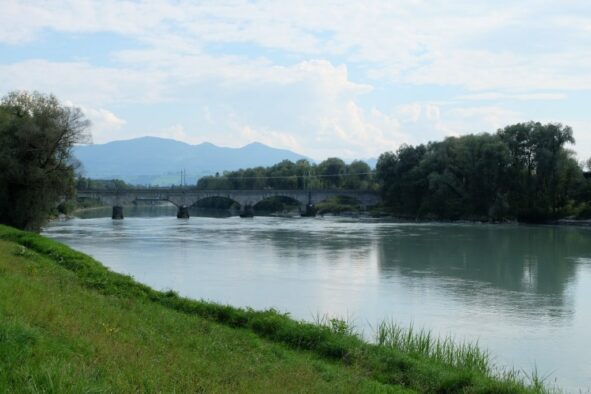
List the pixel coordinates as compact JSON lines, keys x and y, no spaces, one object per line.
{"x":184,"y":197}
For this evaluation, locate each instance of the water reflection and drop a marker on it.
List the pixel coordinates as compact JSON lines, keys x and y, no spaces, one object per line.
{"x":152,"y":210}
{"x":533,"y":266}
{"x":521,"y":290}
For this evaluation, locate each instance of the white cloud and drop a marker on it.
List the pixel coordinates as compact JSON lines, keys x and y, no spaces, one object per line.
{"x":484,"y":70}
{"x":101,"y":118}
{"x":423,"y":122}
{"x":495,"y":96}
{"x":481,"y":119}
{"x":272,"y":137}
{"x":414,"y":41}
{"x":582,"y":133}
{"x":104,"y":123}
{"x":84,"y":83}
{"x":175,"y":132}
{"x":281,"y":71}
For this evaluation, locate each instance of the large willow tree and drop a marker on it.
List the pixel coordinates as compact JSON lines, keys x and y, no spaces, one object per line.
{"x":37,"y":171}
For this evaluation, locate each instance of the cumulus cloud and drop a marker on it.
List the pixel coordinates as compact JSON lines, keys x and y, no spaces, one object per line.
{"x":102,"y":118}
{"x":418,"y":42}
{"x":297,"y":75}
{"x":104,"y":123}
{"x":84,"y":83}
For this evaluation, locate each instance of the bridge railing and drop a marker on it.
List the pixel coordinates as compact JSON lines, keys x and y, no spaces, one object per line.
{"x":198,"y":190}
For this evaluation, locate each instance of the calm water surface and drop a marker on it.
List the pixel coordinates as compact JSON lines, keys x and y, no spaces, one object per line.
{"x":523,"y":292}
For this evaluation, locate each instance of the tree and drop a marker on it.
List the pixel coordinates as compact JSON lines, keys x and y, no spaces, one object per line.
{"x":332,"y":170}
{"x":403,"y":179}
{"x":358,"y":174}
{"x":37,"y":170}
{"x":523,"y":171}
{"x":542,"y":170}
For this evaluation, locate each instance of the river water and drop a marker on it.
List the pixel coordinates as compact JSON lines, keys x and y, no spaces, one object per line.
{"x":523,"y":292}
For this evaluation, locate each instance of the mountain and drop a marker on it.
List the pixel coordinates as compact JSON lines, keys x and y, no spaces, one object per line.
{"x":159,"y":161}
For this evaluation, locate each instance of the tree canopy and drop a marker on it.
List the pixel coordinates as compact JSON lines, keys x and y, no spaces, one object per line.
{"x":37,"y":171}
{"x":332,"y":173}
{"x":523,"y":171}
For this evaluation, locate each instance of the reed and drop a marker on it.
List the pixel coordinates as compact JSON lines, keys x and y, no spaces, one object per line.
{"x":445,"y":350}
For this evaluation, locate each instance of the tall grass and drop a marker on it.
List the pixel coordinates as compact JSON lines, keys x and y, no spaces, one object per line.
{"x":423,"y":343}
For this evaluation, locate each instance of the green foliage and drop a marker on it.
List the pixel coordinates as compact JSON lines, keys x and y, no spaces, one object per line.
{"x":463,"y":355}
{"x":83,"y":183}
{"x":37,"y":134}
{"x":358,"y":176}
{"x":542,"y":173}
{"x":385,"y":363}
{"x":522,"y":172}
{"x":58,"y":336}
{"x":338,"y":204}
{"x":332,"y":173}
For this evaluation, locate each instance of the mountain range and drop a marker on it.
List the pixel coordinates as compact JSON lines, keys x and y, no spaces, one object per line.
{"x":159,"y":161}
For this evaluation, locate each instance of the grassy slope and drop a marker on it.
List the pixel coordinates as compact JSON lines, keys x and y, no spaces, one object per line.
{"x":56,"y":335}
{"x":69,"y":324}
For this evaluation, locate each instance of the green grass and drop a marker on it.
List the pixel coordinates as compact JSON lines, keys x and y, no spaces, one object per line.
{"x":67,"y":323}
{"x":58,"y":336}
{"x":444,"y":350}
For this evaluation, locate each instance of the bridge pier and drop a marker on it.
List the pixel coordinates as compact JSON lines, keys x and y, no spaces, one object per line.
{"x":310,"y":211}
{"x":117,"y":212}
{"x":183,"y":212}
{"x":246,"y":211}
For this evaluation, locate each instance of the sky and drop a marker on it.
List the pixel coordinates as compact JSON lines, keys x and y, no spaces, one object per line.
{"x":322,"y":78}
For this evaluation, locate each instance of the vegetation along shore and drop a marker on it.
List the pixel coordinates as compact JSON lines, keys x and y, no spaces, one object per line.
{"x":70,"y":325}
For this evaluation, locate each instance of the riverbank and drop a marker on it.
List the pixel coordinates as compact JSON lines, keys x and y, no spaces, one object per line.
{"x":82,"y":324}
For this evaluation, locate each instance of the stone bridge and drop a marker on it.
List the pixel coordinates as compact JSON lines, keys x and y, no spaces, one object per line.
{"x":184,"y":197}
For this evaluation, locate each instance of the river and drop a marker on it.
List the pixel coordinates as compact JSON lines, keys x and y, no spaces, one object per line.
{"x":523,"y":292}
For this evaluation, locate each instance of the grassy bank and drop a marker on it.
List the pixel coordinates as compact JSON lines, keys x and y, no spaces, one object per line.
{"x":69,"y":324}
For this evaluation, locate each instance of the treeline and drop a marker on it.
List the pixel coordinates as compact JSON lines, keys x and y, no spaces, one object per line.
{"x":522,"y":172}
{"x":83,"y":183}
{"x":332,"y":173}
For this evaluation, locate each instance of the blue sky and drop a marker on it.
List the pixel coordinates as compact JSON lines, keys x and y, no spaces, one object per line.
{"x":323,"y":78}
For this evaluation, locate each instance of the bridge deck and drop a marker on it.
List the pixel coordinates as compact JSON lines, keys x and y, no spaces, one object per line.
{"x":187,"y":196}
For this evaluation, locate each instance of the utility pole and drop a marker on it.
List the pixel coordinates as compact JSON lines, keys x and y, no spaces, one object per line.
{"x":183,"y":177}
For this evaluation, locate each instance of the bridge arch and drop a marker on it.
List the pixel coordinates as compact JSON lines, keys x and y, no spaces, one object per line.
{"x":215,"y":202}
{"x":186,"y":197}
{"x":276,"y":204}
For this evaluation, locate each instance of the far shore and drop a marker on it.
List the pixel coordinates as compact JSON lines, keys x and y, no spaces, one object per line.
{"x":385,"y":216}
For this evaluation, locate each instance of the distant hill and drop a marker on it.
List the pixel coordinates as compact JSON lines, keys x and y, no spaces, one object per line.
{"x":159,"y":161}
